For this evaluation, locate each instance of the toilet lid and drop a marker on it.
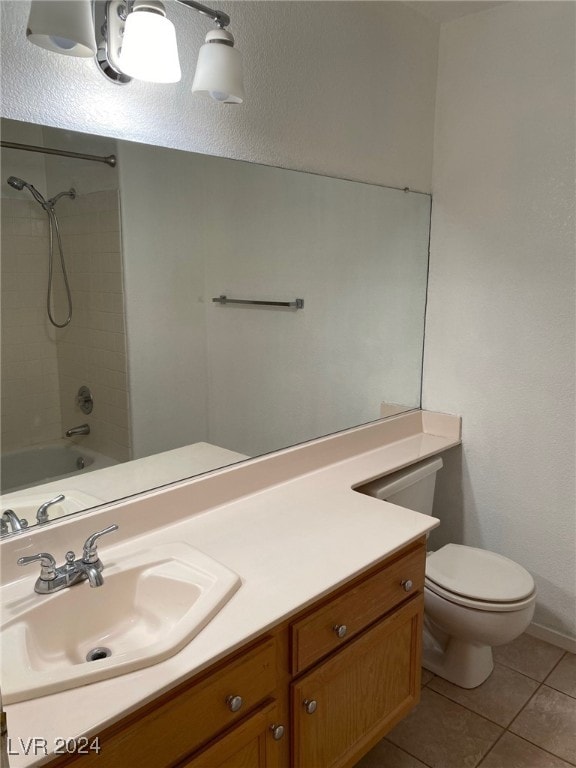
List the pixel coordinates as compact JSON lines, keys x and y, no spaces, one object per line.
{"x":478,"y":574}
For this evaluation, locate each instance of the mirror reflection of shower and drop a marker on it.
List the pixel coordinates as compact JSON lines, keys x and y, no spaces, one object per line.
{"x":54,"y":229}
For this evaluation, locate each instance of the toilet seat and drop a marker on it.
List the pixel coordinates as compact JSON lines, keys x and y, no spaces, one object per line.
{"x":479,"y":605}
{"x":479,"y":579}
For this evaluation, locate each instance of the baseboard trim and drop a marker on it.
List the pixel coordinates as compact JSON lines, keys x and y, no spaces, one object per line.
{"x":553,"y":637}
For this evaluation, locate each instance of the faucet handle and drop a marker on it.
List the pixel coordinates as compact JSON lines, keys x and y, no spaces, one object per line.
{"x":47,"y":562}
{"x":90,"y":553}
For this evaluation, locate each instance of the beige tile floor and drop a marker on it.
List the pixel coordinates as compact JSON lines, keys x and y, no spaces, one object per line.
{"x":523,"y":716}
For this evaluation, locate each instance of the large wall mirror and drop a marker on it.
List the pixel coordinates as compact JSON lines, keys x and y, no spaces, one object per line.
{"x":334,"y":273}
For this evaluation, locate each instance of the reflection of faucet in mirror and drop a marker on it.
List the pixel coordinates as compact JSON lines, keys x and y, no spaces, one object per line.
{"x":87,"y":568}
{"x":10,"y":517}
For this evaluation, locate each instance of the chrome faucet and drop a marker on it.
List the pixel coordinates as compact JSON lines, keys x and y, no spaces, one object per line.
{"x":83,"y":429}
{"x":42,"y":513}
{"x":87,"y":568}
{"x":17,"y":524}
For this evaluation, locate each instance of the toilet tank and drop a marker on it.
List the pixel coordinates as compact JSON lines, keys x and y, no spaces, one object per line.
{"x":412,"y":487}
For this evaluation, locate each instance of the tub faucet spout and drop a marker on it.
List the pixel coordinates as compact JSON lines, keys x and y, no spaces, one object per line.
{"x":83,"y":429}
{"x":42,"y":513}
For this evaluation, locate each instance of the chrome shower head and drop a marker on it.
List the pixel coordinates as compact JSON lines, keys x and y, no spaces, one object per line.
{"x":17,"y":183}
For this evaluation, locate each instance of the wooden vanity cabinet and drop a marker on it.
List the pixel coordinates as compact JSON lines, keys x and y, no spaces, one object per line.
{"x":318,"y":691}
{"x":334,"y":622}
{"x":346,"y":704}
{"x":252,"y":744}
{"x":168,"y":730}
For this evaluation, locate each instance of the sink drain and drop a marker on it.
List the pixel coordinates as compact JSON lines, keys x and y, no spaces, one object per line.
{"x":98,"y":653}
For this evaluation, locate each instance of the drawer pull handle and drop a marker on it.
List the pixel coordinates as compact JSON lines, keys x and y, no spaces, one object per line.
{"x":407,"y":584}
{"x":310,"y":706}
{"x":234,"y":703}
{"x":277,"y":732}
{"x":340,"y":630}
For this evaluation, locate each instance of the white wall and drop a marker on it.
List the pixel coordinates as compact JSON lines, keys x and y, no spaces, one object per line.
{"x":164,"y":279}
{"x":357,"y":255}
{"x":343,"y":88}
{"x":500,"y":330}
{"x":255,"y":380}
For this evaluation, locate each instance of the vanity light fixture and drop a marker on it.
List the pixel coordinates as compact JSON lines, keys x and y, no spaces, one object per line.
{"x":62,"y":27}
{"x":148,"y":49}
{"x":136,"y":40}
{"x":219,"y":68}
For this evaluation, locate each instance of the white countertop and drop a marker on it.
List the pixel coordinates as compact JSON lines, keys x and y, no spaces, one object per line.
{"x":94,"y":487}
{"x":290,"y":542}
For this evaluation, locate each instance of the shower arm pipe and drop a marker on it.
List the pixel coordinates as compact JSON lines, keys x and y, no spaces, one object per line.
{"x":108,"y":160}
{"x":221,"y":18}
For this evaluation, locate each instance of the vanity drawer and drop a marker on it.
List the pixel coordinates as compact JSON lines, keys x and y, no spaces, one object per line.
{"x":185,"y":720}
{"x":330,"y":626}
{"x":229,"y":695}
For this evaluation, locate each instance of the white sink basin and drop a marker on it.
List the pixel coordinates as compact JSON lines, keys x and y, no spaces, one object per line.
{"x":150,"y":606}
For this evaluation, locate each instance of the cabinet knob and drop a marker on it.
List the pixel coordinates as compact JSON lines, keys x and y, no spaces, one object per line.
{"x":310,"y":706}
{"x":277,"y":732}
{"x":234,"y":703}
{"x":407,"y":584}
{"x":340,"y":629}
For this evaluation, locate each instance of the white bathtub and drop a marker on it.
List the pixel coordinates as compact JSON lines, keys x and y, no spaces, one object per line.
{"x":40,"y":464}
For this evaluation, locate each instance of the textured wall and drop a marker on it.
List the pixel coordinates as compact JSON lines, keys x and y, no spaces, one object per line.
{"x":500,"y":333}
{"x":343,"y":88}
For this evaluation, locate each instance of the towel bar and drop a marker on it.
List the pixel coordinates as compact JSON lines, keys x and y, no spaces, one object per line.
{"x":296,"y":304}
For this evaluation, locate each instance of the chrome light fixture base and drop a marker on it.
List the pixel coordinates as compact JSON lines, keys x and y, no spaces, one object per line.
{"x":111,"y":28}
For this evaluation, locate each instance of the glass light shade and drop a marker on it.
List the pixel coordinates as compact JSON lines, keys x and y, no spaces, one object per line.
{"x":62,"y":26}
{"x":149,"y":49}
{"x":219,"y":69}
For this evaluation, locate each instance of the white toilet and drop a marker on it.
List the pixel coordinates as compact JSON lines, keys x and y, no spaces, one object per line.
{"x":473,"y":599}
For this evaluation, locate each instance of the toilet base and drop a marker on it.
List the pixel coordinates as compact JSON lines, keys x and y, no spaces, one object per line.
{"x":460,"y":662}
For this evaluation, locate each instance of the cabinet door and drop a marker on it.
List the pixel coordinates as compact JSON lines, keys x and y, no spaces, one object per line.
{"x":256,"y":743}
{"x":345,"y":705}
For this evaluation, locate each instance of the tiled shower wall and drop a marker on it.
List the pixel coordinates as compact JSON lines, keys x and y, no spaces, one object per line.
{"x":92,"y":349}
{"x":30,"y":405}
{"x":43,"y":367}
